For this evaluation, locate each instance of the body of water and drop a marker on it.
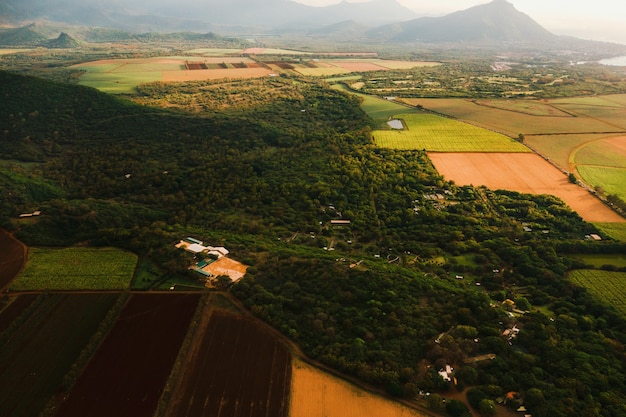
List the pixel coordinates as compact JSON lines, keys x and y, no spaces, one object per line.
{"x":618,"y":61}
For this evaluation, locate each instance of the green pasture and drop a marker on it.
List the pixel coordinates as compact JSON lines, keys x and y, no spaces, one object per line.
{"x":597,"y":260}
{"x":615,"y":230}
{"x":440,"y":134}
{"x":377,"y":108}
{"x":531,"y":107}
{"x":607,"y":286}
{"x":76,"y":269}
{"x":601,"y":153}
{"x":512,"y":123}
{"x":42,"y":345}
{"x":118,"y":83}
{"x":612,"y":180}
{"x":559,"y":148}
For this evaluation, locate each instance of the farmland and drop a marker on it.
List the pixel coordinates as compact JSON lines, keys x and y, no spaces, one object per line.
{"x":605,"y":285}
{"x":315,"y":393}
{"x":40,"y":348}
{"x":439,"y":134}
{"x":599,"y":260}
{"x":12,"y":257}
{"x":239,"y":369}
{"x":127,"y":374}
{"x":525,"y":173}
{"x":76,"y":269}
{"x":614,"y":230}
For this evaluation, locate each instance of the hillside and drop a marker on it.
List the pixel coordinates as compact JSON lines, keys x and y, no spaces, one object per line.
{"x":494,"y":22}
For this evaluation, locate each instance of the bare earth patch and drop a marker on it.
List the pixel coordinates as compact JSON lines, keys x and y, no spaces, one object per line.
{"x":521,"y":172}
{"x":315,"y":393}
{"x":226,"y":266}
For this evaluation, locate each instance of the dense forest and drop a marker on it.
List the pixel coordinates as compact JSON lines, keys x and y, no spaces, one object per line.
{"x":425,"y":274}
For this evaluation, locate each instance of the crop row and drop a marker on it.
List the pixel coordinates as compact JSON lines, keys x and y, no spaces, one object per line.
{"x":608,"y":286}
{"x":76,"y":268}
{"x":438,"y":134}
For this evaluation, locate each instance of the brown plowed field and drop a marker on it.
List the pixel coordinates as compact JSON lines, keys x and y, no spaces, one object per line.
{"x":127,"y":374}
{"x":17,"y":305}
{"x":12,"y":257}
{"x":522,"y":172}
{"x":238,"y":369}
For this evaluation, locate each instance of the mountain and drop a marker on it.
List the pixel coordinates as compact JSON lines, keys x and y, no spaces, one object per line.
{"x":22,"y":36}
{"x":63,"y":41}
{"x":498,"y":21}
{"x":215,"y":15}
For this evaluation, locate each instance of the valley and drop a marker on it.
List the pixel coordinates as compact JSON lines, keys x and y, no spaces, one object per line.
{"x":464,"y":260}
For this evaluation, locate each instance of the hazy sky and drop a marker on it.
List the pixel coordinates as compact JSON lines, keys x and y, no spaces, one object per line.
{"x":587,"y":19}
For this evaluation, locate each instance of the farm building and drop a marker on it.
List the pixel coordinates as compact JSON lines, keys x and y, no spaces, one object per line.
{"x":340,"y":222}
{"x":196,"y":247}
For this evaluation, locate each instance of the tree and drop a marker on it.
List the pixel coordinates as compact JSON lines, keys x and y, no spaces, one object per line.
{"x":487,"y":408}
{"x":457,"y":408}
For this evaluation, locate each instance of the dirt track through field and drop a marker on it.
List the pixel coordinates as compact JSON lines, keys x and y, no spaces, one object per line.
{"x":525,"y":173}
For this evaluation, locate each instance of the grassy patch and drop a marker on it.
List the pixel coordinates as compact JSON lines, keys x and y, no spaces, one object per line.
{"x":376,"y":108}
{"x":439,"y":134}
{"x":614,"y":230}
{"x":598,"y":260}
{"x":605,"y":285}
{"x":76,"y":269}
{"x":147,"y":275}
{"x":612,"y":180}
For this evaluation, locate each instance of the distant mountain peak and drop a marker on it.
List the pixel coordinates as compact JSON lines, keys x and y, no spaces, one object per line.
{"x":497,"y":21}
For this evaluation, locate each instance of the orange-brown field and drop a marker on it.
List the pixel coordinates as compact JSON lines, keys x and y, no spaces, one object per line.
{"x":226,"y":266}
{"x":522,"y":172}
{"x":315,"y":393}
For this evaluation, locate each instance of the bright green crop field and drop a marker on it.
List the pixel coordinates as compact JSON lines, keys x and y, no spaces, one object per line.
{"x":612,"y":180}
{"x":614,"y":230}
{"x":440,"y":134}
{"x":606,"y":285}
{"x":76,"y":269}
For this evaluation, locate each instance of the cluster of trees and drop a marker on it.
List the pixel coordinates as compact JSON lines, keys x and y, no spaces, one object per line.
{"x":261,"y":180}
{"x":545,"y":79}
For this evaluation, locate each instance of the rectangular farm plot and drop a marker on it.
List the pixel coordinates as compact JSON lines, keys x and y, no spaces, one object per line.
{"x":439,"y":134}
{"x":127,"y":374}
{"x":76,"y":269}
{"x":12,"y":257}
{"x":39,"y":352}
{"x":524,"y":173}
{"x":239,"y":369}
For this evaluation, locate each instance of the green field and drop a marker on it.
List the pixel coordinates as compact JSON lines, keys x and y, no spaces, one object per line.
{"x":76,"y":269}
{"x":601,"y":153}
{"x":377,"y":108}
{"x":532,"y":107}
{"x":40,"y":348}
{"x":510,"y":122}
{"x":605,"y":285}
{"x":612,"y":180}
{"x":559,"y":148}
{"x":440,"y":134}
{"x":597,"y":260}
{"x":615,"y":230}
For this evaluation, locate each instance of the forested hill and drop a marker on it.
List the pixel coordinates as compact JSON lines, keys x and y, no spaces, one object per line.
{"x":267,"y":180}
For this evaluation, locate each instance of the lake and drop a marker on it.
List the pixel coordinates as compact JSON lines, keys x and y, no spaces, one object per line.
{"x":618,"y":61}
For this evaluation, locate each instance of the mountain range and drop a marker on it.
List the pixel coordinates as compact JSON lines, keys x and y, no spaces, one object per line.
{"x":376,"y":21}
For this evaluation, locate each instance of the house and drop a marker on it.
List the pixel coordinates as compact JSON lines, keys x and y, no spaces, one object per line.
{"x":340,"y":222}
{"x":446,"y":373}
